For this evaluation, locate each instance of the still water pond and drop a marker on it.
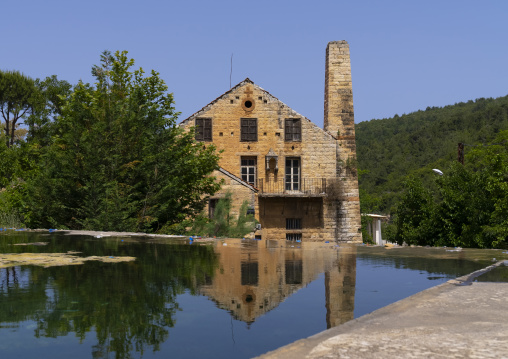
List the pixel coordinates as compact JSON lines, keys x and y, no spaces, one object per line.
{"x":228,"y":299}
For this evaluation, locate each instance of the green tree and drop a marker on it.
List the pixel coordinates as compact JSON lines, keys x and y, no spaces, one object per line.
{"x":16,"y":101}
{"x":117,"y":160}
{"x":469,"y":204}
{"x":414,"y":216}
{"x":48,"y":101}
{"x":463,"y":207}
{"x":474,"y":206}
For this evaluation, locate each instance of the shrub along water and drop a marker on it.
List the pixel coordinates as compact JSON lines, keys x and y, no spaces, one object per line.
{"x":222,"y":224}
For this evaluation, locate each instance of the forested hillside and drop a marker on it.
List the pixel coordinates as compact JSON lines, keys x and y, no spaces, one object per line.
{"x":390,"y":149}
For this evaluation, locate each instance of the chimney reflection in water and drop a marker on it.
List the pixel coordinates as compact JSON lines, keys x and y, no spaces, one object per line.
{"x":340,"y":282}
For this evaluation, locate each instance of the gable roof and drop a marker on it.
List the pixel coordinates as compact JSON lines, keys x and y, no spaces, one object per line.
{"x":232,"y":89}
{"x":237,"y":86}
{"x":237,"y":179}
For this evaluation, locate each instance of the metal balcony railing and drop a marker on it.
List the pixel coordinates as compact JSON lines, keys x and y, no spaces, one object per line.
{"x":303,"y":187}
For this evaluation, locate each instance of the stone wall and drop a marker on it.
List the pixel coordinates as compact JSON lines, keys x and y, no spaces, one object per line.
{"x":317,"y":149}
{"x":275,"y":210}
{"x":240,"y":193}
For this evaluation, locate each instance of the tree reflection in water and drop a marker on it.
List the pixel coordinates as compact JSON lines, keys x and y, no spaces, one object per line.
{"x":130,"y":306}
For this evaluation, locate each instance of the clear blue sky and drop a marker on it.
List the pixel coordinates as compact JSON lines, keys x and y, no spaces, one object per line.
{"x":406,"y":55}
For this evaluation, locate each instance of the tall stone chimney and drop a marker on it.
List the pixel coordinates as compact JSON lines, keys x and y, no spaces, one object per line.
{"x":339,"y":121}
{"x":339,"y":118}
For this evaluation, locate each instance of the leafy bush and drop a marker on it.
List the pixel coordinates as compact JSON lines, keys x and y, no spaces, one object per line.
{"x":222,"y":224}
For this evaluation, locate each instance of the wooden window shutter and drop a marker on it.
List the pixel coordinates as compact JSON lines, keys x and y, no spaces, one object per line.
{"x":203,"y":129}
{"x":249,"y":129}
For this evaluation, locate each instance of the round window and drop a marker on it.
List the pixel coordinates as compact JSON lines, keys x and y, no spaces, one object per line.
{"x":248,"y":104}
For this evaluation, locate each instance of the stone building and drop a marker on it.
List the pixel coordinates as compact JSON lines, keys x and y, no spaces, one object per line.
{"x":299,"y":180}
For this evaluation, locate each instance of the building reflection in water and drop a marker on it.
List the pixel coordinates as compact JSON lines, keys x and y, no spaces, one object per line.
{"x":255,"y":276}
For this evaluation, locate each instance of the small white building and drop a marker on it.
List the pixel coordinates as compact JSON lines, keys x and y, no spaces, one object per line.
{"x":374,"y":227}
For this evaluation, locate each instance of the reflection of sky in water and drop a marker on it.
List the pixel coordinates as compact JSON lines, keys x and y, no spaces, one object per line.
{"x":22,"y":344}
{"x":205,"y":332}
{"x":380,"y":285}
{"x":281,"y":294}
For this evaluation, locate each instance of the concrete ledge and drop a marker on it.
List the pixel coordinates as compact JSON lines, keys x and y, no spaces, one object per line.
{"x":451,"y":320}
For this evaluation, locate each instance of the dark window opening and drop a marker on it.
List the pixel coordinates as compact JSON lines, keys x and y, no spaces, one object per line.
{"x":212,"y":204}
{"x":248,"y":104}
{"x":205,"y":280}
{"x":250,"y":210}
{"x":249,"y":129}
{"x":249,"y":273}
{"x":293,"y":223}
{"x":248,"y":169}
{"x":293,"y":236}
{"x":293,"y":129}
{"x":294,"y":271}
{"x":203,"y":129}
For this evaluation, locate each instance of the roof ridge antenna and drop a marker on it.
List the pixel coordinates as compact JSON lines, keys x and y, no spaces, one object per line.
{"x":231,"y":71}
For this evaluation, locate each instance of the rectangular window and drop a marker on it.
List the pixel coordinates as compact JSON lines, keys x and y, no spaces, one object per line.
{"x":248,"y":169}
{"x":249,"y":129}
{"x":249,"y":273}
{"x":293,"y":223}
{"x":292,"y":174}
{"x":293,"y":129}
{"x":294,"y":271}
{"x":203,"y":129}
{"x":293,"y":236}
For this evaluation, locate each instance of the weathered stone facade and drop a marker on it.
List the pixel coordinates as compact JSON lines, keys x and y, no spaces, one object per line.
{"x":300,"y":180}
